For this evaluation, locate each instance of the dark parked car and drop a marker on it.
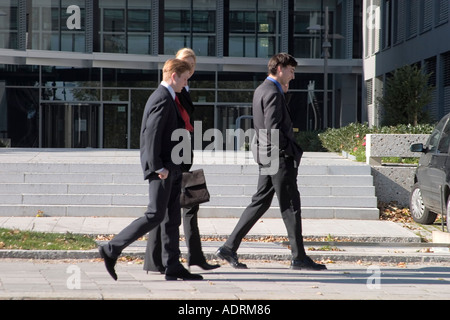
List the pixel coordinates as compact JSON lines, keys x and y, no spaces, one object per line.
{"x":431,"y":190}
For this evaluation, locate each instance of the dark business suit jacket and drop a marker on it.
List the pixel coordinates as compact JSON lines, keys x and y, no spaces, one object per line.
{"x":153,"y":255}
{"x":161,"y":117}
{"x":270,"y":111}
{"x":186,"y":101}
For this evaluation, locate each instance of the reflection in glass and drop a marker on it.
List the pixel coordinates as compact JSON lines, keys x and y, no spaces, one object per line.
{"x":51,"y":25}
{"x":9,"y":24}
{"x":126,"y":26}
{"x":115,"y":126}
{"x":138,"y":100}
{"x":23,"y":115}
{"x":254,"y":28}
{"x":190,"y":24}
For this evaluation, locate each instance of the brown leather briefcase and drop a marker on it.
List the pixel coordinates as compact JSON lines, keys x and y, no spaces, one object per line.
{"x":193,"y":189}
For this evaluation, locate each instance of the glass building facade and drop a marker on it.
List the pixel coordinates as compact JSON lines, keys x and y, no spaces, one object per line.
{"x":77,"y":73}
{"x":403,"y":32}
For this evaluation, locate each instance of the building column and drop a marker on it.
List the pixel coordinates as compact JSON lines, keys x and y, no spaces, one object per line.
{"x":284,"y":47}
{"x":157,"y":37}
{"x":89,"y":26}
{"x":220,"y":28}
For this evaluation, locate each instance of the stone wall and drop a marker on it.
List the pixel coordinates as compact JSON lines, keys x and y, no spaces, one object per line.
{"x":393,"y":182}
{"x":391,"y":145}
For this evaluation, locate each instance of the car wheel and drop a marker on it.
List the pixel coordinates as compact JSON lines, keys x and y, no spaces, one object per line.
{"x":419,"y":212}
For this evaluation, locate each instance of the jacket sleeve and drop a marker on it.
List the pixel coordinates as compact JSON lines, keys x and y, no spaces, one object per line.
{"x":277,"y":118}
{"x":273,"y":119}
{"x":153,"y":136}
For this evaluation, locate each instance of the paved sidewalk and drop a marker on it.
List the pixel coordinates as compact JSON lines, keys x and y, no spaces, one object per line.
{"x":261,"y":284}
{"x":362,"y":230}
{"x":362,"y":240}
{"x":393,"y":265}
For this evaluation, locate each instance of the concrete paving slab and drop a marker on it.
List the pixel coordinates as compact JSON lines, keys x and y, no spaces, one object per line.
{"x":355,"y":229}
{"x":268,"y":281}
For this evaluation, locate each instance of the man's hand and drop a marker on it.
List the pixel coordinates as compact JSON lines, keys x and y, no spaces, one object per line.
{"x":163,"y":174}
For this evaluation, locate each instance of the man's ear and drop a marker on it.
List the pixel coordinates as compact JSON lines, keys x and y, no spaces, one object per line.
{"x":172,"y":77}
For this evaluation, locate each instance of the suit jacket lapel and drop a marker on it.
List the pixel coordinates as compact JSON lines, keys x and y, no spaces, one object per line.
{"x":173,"y":104}
{"x":284,"y":99}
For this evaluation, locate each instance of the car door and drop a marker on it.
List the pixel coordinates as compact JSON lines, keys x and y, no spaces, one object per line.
{"x":432,"y":167}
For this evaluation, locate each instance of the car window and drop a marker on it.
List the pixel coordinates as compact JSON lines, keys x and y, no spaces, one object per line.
{"x":445,"y":139}
{"x":433,"y":142}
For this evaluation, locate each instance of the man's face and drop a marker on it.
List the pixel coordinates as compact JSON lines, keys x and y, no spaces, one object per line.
{"x":285,"y":75}
{"x":179,"y":82}
{"x":192,"y":63}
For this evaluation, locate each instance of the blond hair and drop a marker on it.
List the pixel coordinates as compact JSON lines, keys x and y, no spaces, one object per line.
{"x":186,"y":53}
{"x":175,"y":66}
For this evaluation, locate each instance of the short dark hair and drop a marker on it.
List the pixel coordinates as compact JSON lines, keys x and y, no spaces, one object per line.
{"x":283,"y":59}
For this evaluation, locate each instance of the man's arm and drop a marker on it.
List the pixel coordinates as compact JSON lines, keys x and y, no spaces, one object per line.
{"x":273,"y":119}
{"x":153,"y":135}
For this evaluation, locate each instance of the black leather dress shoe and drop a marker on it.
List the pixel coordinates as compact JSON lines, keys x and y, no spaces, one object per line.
{"x":161,"y":270}
{"x":307,"y":264}
{"x":205,"y":265}
{"x":230,"y":256}
{"x":183,"y":274}
{"x":109,"y":262}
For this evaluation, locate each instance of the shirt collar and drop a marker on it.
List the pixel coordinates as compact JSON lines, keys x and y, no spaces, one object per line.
{"x":172,"y":92}
{"x":277,"y":83}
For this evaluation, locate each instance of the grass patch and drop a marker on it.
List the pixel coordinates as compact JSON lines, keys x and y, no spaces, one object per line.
{"x":14,"y":239}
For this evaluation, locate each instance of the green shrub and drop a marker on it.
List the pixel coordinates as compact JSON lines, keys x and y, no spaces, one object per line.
{"x":309,"y":141}
{"x":345,"y":138}
{"x":352,"y":138}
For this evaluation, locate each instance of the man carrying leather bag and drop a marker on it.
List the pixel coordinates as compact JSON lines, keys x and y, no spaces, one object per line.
{"x":153,"y":260}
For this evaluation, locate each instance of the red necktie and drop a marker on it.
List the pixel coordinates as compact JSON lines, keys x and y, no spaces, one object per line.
{"x":184,"y":115}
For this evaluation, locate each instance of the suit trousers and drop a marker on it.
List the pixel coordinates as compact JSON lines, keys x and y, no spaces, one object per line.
{"x":284,"y":184}
{"x":163,"y":208}
{"x":153,"y":254}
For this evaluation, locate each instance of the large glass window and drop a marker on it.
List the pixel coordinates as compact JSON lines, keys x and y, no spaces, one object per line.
{"x":57,"y":25}
{"x":254,"y":28}
{"x":70,"y":84}
{"x":125,"y":26}
{"x":19,"y":105}
{"x":309,"y":26}
{"x":125,"y":94}
{"x":8,"y":24}
{"x":308,"y":31}
{"x":190,"y":24}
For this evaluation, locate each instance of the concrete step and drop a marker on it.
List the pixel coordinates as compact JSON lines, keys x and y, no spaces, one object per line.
{"x":110,"y":183}
{"x":142,"y":189}
{"x":142,"y":200}
{"x":20,"y":210}
{"x":213,"y":169}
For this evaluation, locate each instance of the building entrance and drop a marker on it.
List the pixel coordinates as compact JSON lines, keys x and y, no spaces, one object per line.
{"x":70,"y":125}
{"x":234,"y":117}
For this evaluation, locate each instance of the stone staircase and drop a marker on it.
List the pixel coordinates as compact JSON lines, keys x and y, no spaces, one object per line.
{"x":98,"y":182}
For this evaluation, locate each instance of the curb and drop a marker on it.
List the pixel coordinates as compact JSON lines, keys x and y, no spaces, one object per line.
{"x":320,"y":256}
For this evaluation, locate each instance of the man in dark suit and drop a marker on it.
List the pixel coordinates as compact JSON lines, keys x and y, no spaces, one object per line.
{"x":161,"y":118}
{"x":153,"y":259}
{"x":274,"y":141}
